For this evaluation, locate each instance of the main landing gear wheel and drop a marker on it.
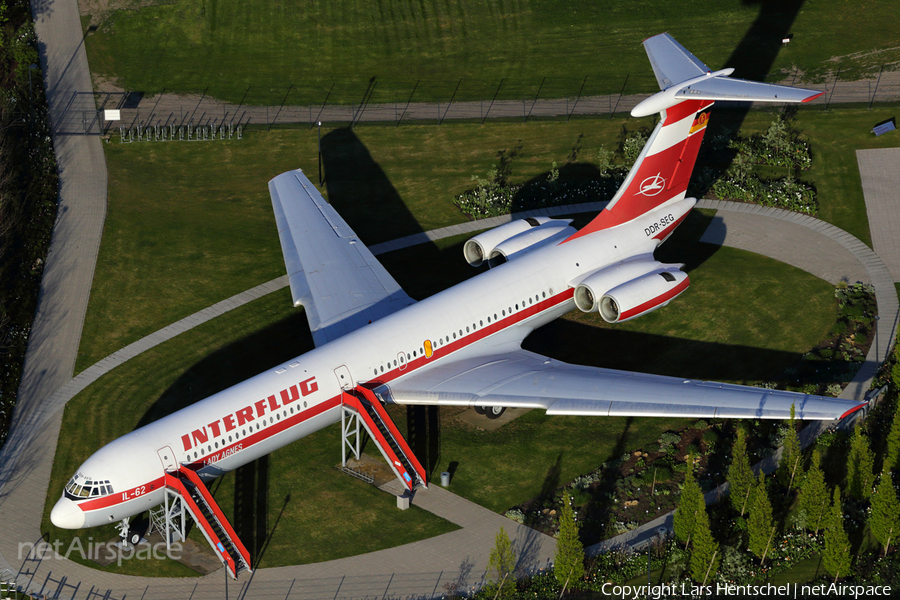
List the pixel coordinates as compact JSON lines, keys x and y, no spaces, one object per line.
{"x":479,"y":409}
{"x":134,"y":538}
{"x":494,"y":412}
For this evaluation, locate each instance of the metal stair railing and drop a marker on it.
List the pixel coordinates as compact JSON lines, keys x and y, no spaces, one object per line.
{"x":207,"y":514}
{"x":388,"y":438}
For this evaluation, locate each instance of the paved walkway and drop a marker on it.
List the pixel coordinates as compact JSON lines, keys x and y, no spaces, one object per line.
{"x":423,"y":568}
{"x":880,"y":174}
{"x":813,"y":252}
{"x":175,"y":109}
{"x":69,"y":270}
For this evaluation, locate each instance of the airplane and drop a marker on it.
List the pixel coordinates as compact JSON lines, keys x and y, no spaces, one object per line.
{"x":462,"y":346}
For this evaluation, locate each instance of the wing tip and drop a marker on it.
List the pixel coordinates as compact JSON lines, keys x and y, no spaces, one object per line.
{"x":813,"y":97}
{"x":852,"y":410}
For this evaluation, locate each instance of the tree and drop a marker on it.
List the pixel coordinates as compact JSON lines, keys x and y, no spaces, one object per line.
{"x":760,"y":523}
{"x":501,"y":563}
{"x":604,"y":160}
{"x":884,"y":519}
{"x":568,"y":566}
{"x":837,"y":546}
{"x":814,"y":495}
{"x":690,"y":502}
{"x":892,"y":453}
{"x":705,"y":554}
{"x":789,"y":468}
{"x":740,"y":475}
{"x":778,"y":135}
{"x":860,"y":466}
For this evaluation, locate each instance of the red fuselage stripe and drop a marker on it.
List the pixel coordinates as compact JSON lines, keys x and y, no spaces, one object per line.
{"x":301,"y":416}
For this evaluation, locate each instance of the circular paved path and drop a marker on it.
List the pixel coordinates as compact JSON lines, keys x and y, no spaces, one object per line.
{"x":422,"y":568}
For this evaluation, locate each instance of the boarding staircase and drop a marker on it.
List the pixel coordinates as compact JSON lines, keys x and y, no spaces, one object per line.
{"x":195,"y":497}
{"x":365,"y":404}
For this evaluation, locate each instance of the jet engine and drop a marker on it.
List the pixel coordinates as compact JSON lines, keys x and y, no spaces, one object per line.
{"x":499,"y":244}
{"x":629,"y":289}
{"x":642,"y":295}
{"x":532,"y":239}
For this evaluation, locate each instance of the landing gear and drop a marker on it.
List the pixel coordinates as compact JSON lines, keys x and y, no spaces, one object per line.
{"x":124,"y":528}
{"x":494,"y":412}
{"x":479,"y":409}
{"x":130,"y":534}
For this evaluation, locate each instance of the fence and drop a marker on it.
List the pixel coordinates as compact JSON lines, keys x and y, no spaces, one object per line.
{"x":397,"y":586}
{"x":396,"y":103}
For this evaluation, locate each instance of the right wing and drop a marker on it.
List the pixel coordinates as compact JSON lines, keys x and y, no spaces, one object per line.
{"x":339,"y":282}
{"x":526,"y":379}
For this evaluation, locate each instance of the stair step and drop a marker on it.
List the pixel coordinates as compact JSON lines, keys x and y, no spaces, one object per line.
{"x":363,"y":399}
{"x":216,"y":531}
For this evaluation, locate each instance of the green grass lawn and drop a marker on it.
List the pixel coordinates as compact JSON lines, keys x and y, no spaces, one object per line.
{"x":262,"y":52}
{"x":191,"y":224}
{"x":307,"y":504}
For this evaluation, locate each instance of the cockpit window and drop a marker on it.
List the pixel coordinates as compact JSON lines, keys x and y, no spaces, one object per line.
{"x":80,"y":487}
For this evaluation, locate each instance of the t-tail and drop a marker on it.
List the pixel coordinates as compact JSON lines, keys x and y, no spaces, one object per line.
{"x":662,"y":171}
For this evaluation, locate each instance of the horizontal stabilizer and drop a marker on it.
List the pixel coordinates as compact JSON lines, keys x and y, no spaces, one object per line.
{"x":682,"y":76}
{"x":672,"y":63}
{"x":723,"y":88}
{"x":718,"y":86}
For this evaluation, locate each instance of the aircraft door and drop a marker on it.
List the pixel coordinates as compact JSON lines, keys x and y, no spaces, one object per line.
{"x":345,"y":380}
{"x":167,"y":457}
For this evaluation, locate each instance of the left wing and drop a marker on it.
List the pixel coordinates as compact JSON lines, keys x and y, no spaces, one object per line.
{"x":339,"y":282}
{"x":526,"y":379}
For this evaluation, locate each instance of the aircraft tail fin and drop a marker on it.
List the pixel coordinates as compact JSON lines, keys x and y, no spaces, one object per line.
{"x":662,"y":171}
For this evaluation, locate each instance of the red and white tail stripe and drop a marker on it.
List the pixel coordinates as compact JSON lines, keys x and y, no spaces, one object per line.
{"x":662,"y":171}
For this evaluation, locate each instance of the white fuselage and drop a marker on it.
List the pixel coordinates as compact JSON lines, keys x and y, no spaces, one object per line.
{"x":488,"y":314}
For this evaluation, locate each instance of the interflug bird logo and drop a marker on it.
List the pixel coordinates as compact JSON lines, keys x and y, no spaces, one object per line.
{"x":652,"y":185}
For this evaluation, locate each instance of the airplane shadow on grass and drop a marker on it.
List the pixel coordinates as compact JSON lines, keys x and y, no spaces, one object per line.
{"x":423,"y":271}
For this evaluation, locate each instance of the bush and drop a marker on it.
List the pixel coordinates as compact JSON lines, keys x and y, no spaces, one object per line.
{"x":516,"y":515}
{"x":667,"y":442}
{"x":493,"y":195}
{"x":632,"y":146}
{"x":779,"y":192}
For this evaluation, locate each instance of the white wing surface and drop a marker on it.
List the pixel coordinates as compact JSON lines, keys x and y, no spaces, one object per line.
{"x":672,"y":63}
{"x":681,"y":76}
{"x":525,"y":379}
{"x":336,"y":279}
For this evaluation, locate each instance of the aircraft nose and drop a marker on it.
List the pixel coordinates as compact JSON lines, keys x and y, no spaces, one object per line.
{"x":67,"y":515}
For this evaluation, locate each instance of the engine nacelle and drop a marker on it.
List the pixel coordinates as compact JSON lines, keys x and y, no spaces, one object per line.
{"x":479,"y":248}
{"x":590,"y":289}
{"x":642,"y":295}
{"x":536,"y":237}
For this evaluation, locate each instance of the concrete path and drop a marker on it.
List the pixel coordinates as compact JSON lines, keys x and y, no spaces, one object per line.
{"x":70,"y":264}
{"x":880,"y":174}
{"x":69,"y":270}
{"x":810,"y":250}
{"x":176,"y":109}
{"x":454,"y":559}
